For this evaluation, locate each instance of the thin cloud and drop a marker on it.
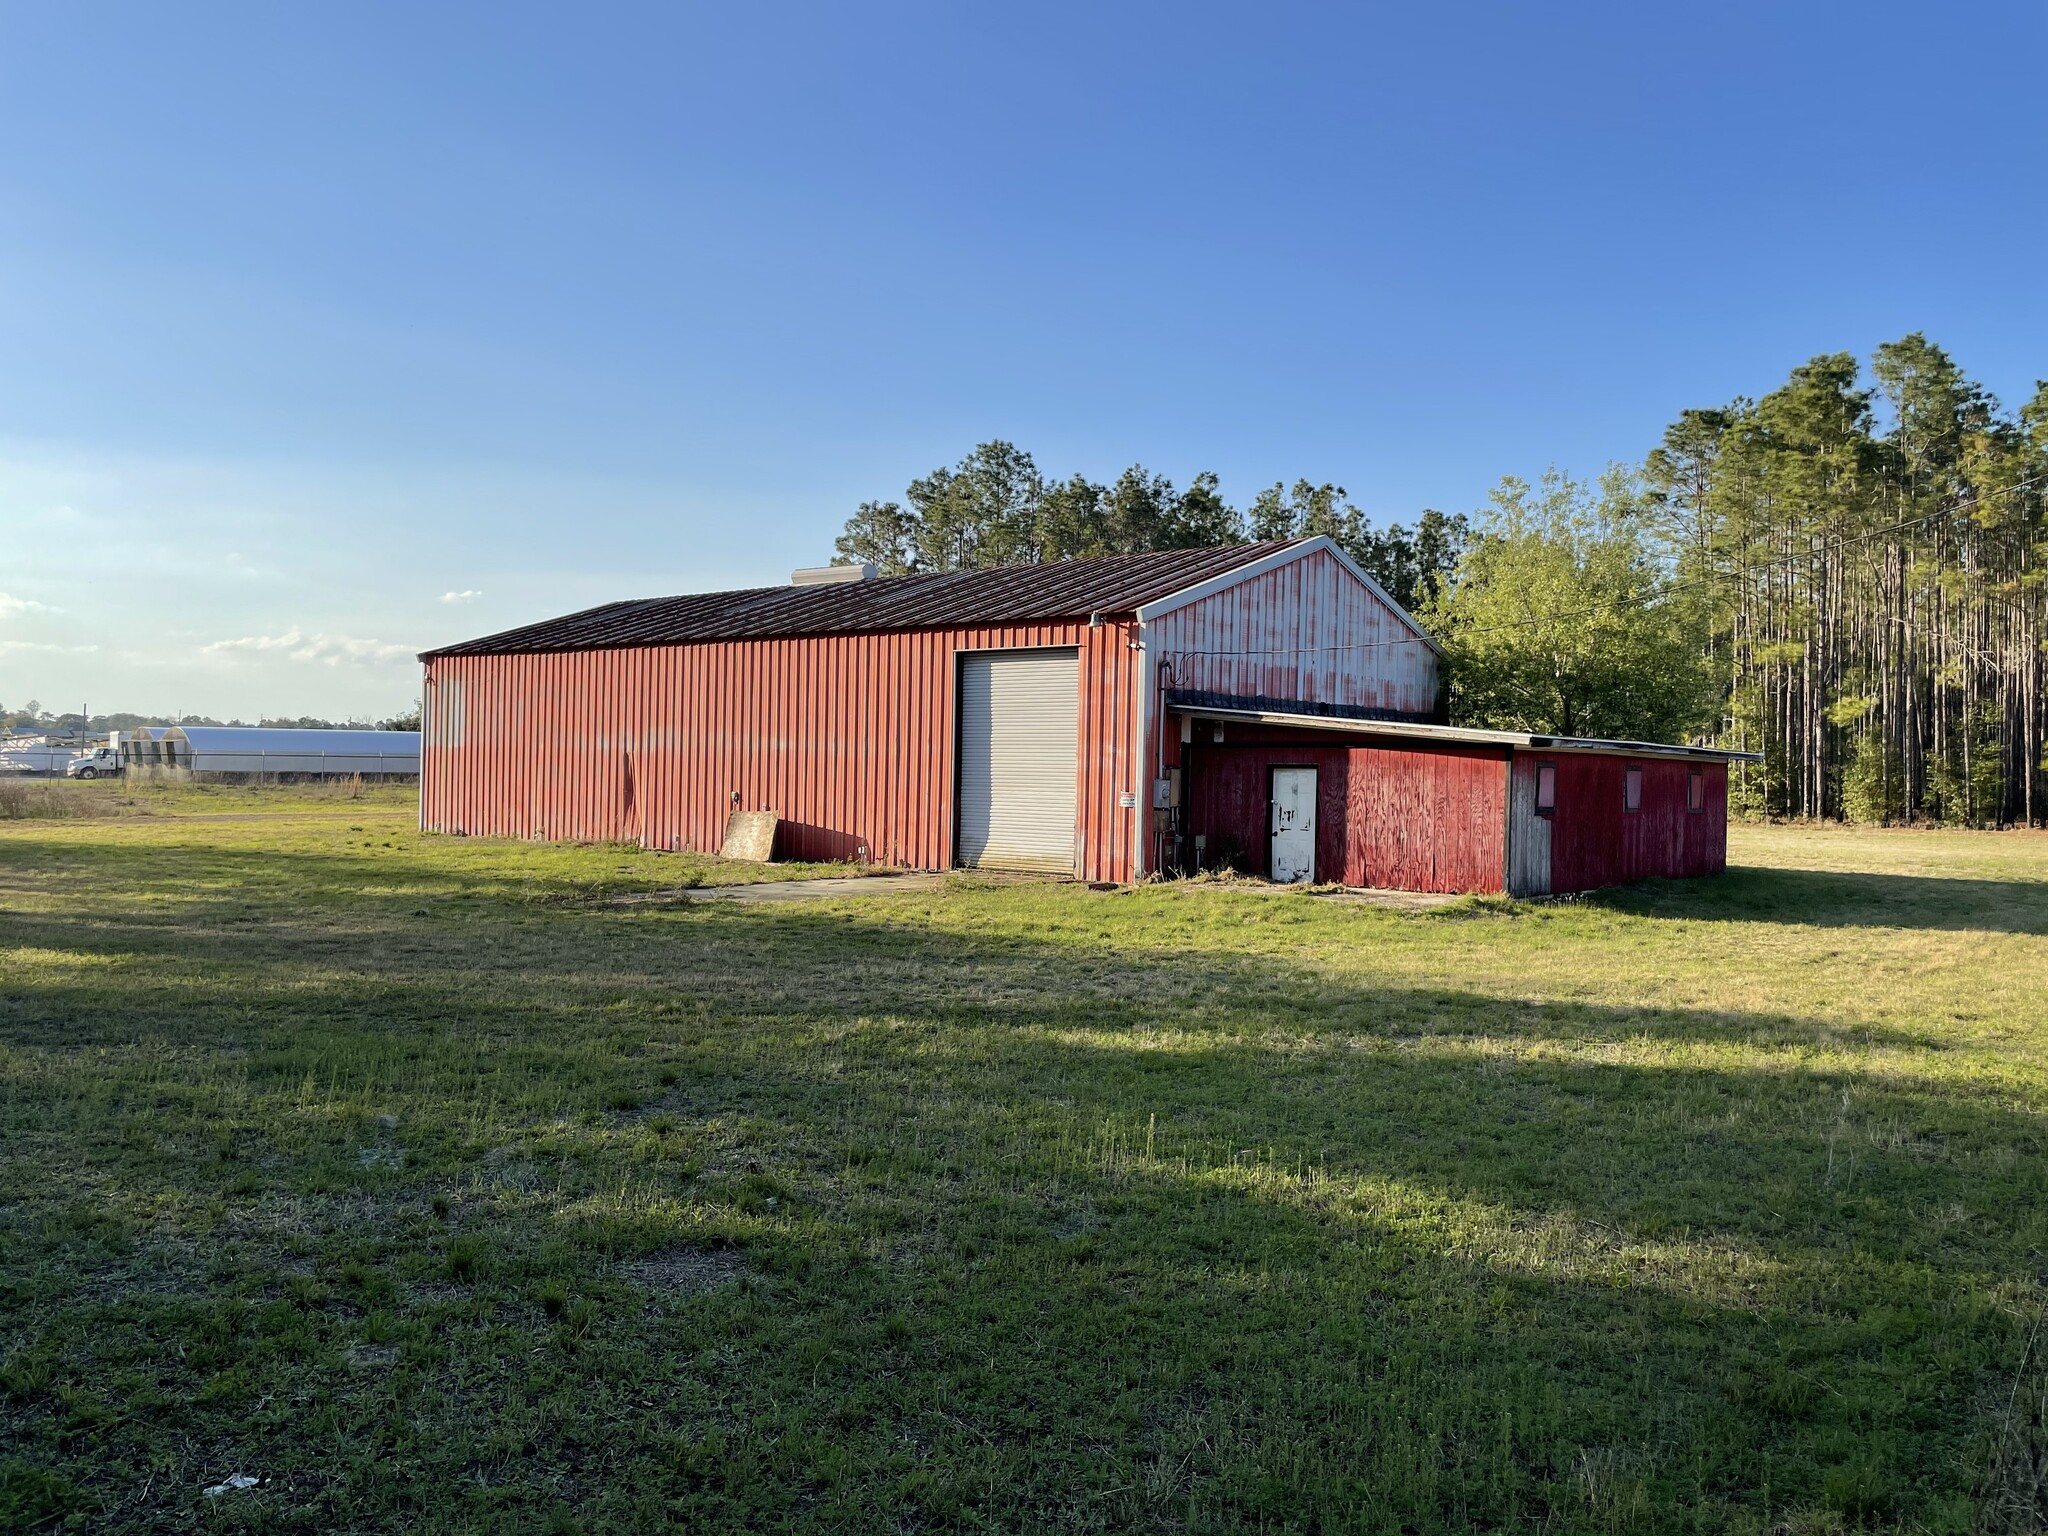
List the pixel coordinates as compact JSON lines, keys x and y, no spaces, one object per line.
{"x":10,"y":605}
{"x":328,"y":650}
{"x":460,"y":597}
{"x":45,"y":645}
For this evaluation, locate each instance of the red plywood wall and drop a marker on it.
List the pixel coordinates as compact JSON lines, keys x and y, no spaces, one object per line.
{"x":1407,"y":818}
{"x":1595,"y":841}
{"x":849,"y":737}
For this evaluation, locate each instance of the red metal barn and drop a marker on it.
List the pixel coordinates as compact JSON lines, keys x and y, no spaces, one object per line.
{"x":1093,"y":717}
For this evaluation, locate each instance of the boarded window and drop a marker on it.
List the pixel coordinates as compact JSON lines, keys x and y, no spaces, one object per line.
{"x":1696,"y":790}
{"x":1632,"y":788}
{"x":1546,"y":788}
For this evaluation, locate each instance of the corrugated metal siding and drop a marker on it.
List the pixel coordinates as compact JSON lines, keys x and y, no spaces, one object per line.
{"x":1594,"y":842}
{"x":1309,"y":631}
{"x":1391,"y":817}
{"x":849,"y":737}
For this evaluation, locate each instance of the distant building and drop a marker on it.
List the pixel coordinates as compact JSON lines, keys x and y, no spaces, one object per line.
{"x":247,"y":751}
{"x":33,"y":754}
{"x":141,"y":746}
{"x":1266,"y":705}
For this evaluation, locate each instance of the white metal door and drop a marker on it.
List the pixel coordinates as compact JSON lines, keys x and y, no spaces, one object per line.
{"x":1019,"y":737}
{"x":1294,"y":826}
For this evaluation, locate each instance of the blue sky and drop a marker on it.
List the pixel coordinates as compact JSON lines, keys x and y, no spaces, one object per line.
{"x":313,"y":320}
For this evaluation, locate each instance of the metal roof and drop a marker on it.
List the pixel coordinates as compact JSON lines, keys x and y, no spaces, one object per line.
{"x":1471,"y":735}
{"x":1010,"y":594}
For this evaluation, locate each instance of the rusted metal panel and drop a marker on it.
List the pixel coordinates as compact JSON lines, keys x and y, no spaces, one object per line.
{"x":849,"y":737}
{"x":1395,"y":817}
{"x":1595,"y":841}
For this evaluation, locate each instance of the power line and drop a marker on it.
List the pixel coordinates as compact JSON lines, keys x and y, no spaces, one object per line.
{"x":1664,"y":592}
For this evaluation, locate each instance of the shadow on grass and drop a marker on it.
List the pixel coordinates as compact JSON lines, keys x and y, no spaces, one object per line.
{"x":1053,"y":1231}
{"x":231,"y":876}
{"x":1835,"y":899}
{"x":1409,"y":1082}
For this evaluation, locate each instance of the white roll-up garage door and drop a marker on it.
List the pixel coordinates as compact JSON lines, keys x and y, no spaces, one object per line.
{"x":1019,"y":725}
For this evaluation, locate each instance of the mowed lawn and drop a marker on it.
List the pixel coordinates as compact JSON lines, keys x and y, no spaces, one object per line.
{"x":410,"y":1178}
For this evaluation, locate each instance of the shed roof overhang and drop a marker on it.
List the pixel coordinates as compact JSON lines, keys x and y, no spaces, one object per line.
{"x":1469,"y":736}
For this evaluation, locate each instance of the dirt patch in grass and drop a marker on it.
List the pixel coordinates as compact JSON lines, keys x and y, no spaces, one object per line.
{"x":686,"y":1271}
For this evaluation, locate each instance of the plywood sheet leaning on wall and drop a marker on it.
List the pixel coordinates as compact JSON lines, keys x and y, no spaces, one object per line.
{"x":750,"y":836}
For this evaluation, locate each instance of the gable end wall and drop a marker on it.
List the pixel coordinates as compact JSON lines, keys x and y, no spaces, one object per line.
{"x":1308,"y":630}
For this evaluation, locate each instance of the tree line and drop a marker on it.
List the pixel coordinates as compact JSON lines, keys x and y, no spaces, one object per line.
{"x":1868,"y":557}
{"x":1844,"y":575}
{"x":995,"y":507}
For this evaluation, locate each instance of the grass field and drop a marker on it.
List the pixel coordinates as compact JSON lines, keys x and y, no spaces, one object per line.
{"x":409,"y":1178}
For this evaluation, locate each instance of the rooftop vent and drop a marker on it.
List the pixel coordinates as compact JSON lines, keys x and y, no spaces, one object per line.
{"x":830,"y":575}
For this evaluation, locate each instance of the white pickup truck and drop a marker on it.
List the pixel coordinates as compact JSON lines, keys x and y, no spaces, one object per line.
{"x":99,"y":763}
